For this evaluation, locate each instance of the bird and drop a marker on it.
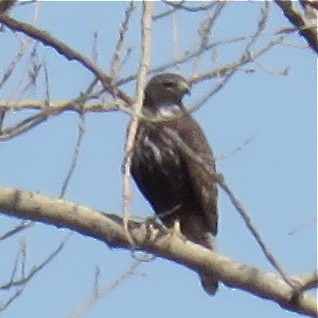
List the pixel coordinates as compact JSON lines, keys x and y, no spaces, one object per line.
{"x":174,"y":166}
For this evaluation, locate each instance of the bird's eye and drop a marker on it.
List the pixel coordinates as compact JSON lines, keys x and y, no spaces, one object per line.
{"x":169,"y":84}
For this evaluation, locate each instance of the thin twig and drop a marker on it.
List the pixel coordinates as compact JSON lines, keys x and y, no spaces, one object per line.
{"x":236,"y":203}
{"x":117,"y":60}
{"x":226,"y":72}
{"x":48,"y":109}
{"x":261,"y":25}
{"x":99,"y":293}
{"x":312,"y":221}
{"x":181,"y":5}
{"x":15,"y":60}
{"x":249,"y":224}
{"x":133,"y":126}
{"x":189,"y":55}
{"x":35,"y":269}
{"x":47,"y":39}
{"x":80,"y":135}
{"x":18,"y":292}
{"x":63,"y":105}
{"x":25,"y":125}
{"x":236,"y":150}
{"x":80,"y":102}
{"x":20,"y":284}
{"x":95,"y":47}
{"x":22,"y":226}
{"x":207,"y":24}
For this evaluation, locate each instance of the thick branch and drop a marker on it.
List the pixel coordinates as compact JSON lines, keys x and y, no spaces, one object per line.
{"x":154,"y":239}
{"x":306,"y":27}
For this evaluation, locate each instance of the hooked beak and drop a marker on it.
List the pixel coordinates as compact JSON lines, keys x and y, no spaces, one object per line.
{"x":184,"y":87}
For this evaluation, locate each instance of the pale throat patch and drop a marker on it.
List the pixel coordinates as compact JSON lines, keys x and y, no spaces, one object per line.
{"x":168,"y":110}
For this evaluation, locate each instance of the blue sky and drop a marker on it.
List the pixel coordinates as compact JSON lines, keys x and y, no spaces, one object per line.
{"x":274,"y":174}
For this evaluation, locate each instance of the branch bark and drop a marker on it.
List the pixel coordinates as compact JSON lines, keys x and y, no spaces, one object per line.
{"x":154,"y":239}
{"x":307,"y":27}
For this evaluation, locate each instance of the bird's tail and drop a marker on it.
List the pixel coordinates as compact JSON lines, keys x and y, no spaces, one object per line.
{"x":197,"y":232}
{"x":209,"y":283}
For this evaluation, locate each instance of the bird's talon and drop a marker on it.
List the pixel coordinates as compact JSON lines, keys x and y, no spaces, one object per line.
{"x":175,"y":230}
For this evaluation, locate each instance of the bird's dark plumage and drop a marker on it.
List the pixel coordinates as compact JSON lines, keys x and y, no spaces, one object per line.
{"x":178,"y":187}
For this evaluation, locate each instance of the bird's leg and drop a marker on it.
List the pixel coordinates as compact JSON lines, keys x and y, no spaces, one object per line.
{"x":172,"y":222}
{"x":149,"y":228}
{"x":176,"y":229}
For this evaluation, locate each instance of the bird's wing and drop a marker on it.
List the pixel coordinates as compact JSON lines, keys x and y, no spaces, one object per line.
{"x":198,"y":161}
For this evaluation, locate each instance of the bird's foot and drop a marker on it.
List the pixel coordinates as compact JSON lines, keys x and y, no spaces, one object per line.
{"x":151,"y":228}
{"x":175,"y":230}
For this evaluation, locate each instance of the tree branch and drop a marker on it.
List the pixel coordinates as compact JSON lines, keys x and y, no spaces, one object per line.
{"x":146,"y":31}
{"x":153,"y":238}
{"x":306,"y":27}
{"x":47,"y":39}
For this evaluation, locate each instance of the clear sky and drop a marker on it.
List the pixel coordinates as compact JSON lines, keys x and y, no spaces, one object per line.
{"x":274,"y":174}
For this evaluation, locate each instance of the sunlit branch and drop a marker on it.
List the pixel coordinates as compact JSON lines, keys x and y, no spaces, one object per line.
{"x":154,"y":239}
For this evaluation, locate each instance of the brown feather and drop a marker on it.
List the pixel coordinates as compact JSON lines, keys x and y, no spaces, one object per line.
{"x":178,"y":187}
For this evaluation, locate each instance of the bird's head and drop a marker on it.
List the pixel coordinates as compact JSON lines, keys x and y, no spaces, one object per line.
{"x":165,"y":89}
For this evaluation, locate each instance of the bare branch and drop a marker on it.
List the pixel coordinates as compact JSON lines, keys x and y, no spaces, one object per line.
{"x":306,"y":27}
{"x":24,"y":125}
{"x":6,"y":5}
{"x":237,"y":149}
{"x":181,"y":5}
{"x":166,"y":13}
{"x":19,"y":284}
{"x":312,"y":221}
{"x":307,"y":281}
{"x":14,"y":62}
{"x":225,"y":73}
{"x":47,"y":110}
{"x":80,"y":135}
{"x":248,"y":222}
{"x":22,"y":226}
{"x":238,"y":205}
{"x":109,"y":228}
{"x":117,"y":59}
{"x":35,"y":269}
{"x":11,"y":299}
{"x":100,"y":293}
{"x":62,"y":105}
{"x":133,"y":126}
{"x":81,"y":130}
{"x":288,"y":291}
{"x":47,"y":39}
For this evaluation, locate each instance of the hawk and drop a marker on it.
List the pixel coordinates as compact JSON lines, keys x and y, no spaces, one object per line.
{"x":178,"y":187}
